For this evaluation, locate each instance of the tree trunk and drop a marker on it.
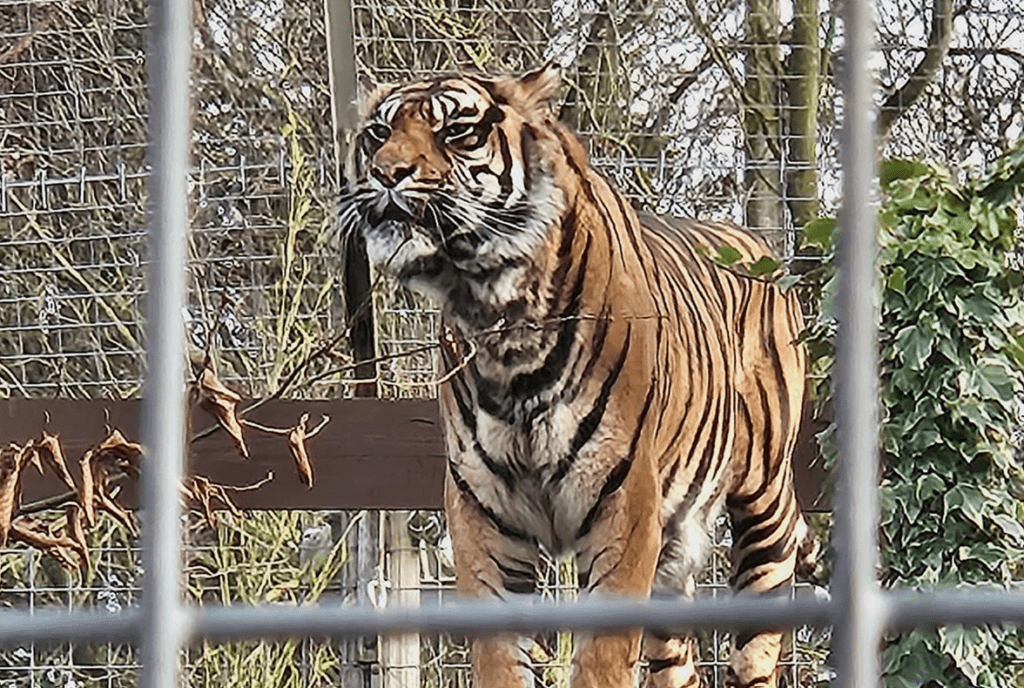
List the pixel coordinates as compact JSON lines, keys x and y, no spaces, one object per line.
{"x":764,"y":208}
{"x":802,"y":97}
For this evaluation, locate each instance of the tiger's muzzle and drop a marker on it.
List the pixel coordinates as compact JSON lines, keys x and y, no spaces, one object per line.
{"x":391,"y":205}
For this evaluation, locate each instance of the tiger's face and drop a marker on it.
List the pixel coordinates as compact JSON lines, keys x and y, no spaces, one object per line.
{"x":447,"y":180}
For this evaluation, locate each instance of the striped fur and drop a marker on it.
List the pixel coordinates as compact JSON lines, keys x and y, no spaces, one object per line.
{"x":612,"y":389}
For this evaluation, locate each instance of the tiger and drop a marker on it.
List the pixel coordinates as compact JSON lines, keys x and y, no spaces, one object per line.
{"x":609,"y":387}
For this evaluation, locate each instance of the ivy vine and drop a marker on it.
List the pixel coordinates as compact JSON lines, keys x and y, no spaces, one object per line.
{"x":952,"y":362}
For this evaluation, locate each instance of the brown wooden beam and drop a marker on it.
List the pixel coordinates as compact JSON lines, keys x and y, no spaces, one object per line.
{"x":372,"y":455}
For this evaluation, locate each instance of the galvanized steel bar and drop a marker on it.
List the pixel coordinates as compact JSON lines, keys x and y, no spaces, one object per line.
{"x":859,"y":620}
{"x":242,"y":621}
{"x":163,"y":415}
{"x":216,"y":623}
{"x":740,"y":612}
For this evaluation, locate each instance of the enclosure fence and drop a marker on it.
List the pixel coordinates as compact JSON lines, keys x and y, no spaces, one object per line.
{"x":858,"y":610}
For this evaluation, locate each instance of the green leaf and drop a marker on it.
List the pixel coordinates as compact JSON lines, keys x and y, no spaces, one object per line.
{"x":990,"y":380}
{"x":913,"y":663}
{"x":819,"y":233}
{"x":763,"y":266}
{"x":787,"y":282}
{"x":897,"y":279}
{"x":896,"y":169}
{"x":1015,"y":348}
{"x":929,"y":485}
{"x":1009,"y":525}
{"x":727,"y":255}
{"x":965,"y":646}
{"x":968,"y":500}
{"x":915,"y":346}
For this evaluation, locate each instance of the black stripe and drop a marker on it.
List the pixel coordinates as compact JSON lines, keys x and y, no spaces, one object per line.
{"x":743,"y":416}
{"x":526,"y":139}
{"x":753,"y":525}
{"x":529,"y":385}
{"x":583,"y":578}
{"x":744,"y":501}
{"x":618,"y":475}
{"x":521,"y":581}
{"x":613,"y":482}
{"x":502,"y":527}
{"x":594,"y":354}
{"x":710,"y":408}
{"x":656,"y":665}
{"x":778,"y":551}
{"x":505,"y":177}
{"x":590,"y":422}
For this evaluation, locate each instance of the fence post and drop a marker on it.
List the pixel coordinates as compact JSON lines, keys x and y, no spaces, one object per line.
{"x":356,"y":269}
{"x":400,"y":654}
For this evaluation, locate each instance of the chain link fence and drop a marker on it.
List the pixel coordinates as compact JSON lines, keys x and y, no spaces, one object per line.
{"x":693,"y":108}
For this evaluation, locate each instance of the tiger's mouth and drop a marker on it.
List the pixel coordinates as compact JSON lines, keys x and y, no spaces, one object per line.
{"x":392,"y":206}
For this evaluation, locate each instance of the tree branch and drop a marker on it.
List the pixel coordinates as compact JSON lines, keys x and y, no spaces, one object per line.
{"x":938,"y":47}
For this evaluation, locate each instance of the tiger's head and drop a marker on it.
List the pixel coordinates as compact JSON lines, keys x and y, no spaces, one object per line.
{"x":448,"y":179}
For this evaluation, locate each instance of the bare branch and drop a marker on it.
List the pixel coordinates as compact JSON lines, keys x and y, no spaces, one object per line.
{"x":938,"y":47}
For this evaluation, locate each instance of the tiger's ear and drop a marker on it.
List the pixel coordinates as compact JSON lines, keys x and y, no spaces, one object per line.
{"x":534,"y":92}
{"x":369,"y":93}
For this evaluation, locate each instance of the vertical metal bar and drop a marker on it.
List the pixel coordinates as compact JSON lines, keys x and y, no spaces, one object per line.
{"x":860,"y":612}
{"x":163,"y":415}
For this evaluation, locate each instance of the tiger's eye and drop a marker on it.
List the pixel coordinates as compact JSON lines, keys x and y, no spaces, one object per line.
{"x":379,"y":131}
{"x":456,"y":131}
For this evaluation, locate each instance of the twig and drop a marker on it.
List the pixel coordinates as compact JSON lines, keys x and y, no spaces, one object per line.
{"x":249,"y":488}
{"x":324,"y":350}
{"x":462,"y":364}
{"x":22,"y":44}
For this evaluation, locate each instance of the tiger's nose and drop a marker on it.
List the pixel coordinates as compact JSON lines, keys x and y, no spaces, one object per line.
{"x":391,"y":173}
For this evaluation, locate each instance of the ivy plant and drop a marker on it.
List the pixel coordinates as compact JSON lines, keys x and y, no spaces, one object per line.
{"x":951,"y":355}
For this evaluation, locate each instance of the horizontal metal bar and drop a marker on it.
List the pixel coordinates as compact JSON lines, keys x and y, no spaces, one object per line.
{"x":905,"y":610}
{"x":739,"y":612}
{"x":19,"y":628}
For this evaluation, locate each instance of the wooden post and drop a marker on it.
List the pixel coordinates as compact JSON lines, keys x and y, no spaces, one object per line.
{"x":356,"y":274}
{"x":400,"y":654}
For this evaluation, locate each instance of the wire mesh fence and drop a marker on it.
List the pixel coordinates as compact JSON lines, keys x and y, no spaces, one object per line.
{"x":689,"y":106}
{"x":311,"y":558}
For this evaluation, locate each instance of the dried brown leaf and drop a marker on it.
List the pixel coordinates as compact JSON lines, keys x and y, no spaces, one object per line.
{"x":117,"y":456}
{"x":76,"y":532}
{"x":12,"y":459}
{"x":222,"y":403}
{"x":112,"y":458}
{"x":220,"y":492}
{"x":108,"y":504}
{"x":53,"y":456}
{"x":200,"y":491}
{"x":86,"y":491}
{"x":31,"y":533}
{"x":297,"y":445}
{"x":10,"y":467}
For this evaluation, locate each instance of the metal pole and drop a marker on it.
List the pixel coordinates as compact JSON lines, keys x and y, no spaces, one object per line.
{"x":860,"y":616}
{"x":163,"y":415}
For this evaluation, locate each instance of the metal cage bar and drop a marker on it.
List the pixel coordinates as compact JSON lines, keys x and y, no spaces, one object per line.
{"x":855,"y":588}
{"x":163,"y":417}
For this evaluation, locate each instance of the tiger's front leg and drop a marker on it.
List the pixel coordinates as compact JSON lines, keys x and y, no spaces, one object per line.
{"x":491,"y":564}
{"x":616,"y":557}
